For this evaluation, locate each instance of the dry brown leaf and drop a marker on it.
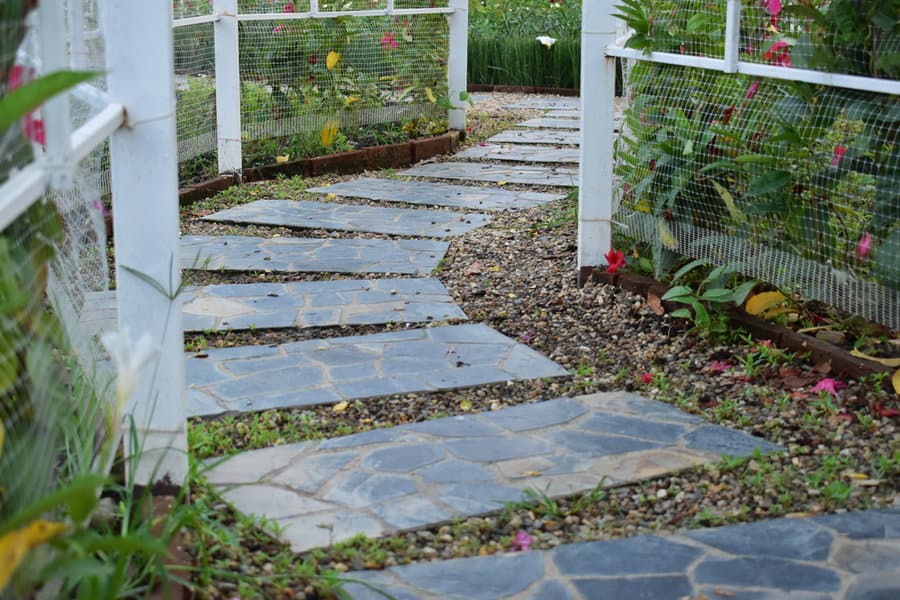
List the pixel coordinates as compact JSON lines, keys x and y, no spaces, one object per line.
{"x":473,"y":269}
{"x":654,"y":302}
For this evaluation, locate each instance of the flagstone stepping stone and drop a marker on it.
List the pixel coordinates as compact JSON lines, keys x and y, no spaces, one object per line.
{"x":555,"y":137}
{"x":324,"y":371}
{"x":349,"y":217}
{"x":298,"y":304}
{"x":563,"y":113}
{"x":551,"y":123}
{"x":522,"y":153}
{"x":548,"y":103}
{"x":310,"y":255}
{"x":426,"y":473}
{"x":524,"y":174}
{"x":708,"y":563}
{"x":437,"y":194}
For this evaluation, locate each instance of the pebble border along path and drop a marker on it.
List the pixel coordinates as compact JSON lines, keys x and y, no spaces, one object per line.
{"x":423,"y":474}
{"x":388,"y":480}
{"x":854,"y":556}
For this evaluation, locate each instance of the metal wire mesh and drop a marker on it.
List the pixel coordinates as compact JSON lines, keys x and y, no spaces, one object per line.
{"x":195,"y":89}
{"x":790,"y":183}
{"x":312,"y":75}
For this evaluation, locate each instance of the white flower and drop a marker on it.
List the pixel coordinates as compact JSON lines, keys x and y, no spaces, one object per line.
{"x":128,"y":359}
{"x":546,"y":40}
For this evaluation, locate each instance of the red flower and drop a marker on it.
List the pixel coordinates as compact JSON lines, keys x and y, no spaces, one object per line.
{"x":839,"y":152}
{"x":388,"y":41}
{"x":289,"y":7}
{"x":718,"y":366}
{"x":615,"y":259}
{"x":647,"y":378}
{"x":864,"y":246}
{"x":778,"y":54}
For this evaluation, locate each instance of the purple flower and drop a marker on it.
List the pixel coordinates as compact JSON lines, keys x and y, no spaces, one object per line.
{"x":521,"y":542}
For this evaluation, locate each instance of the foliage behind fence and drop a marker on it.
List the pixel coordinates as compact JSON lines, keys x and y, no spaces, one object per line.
{"x":794,"y":183}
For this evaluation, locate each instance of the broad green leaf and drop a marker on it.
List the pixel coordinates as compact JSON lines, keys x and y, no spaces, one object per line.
{"x":679,"y":291}
{"x":769,"y":182}
{"x":717,"y":295}
{"x":700,"y":262}
{"x":742,"y":291}
{"x":681,"y":313}
{"x":30,"y":96}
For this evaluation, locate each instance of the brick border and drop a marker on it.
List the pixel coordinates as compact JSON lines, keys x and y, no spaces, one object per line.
{"x":365,"y":159}
{"x":841,"y":360}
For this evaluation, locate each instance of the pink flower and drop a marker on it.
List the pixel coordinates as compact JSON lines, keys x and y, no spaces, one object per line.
{"x":773,"y":6}
{"x":839,"y":152}
{"x":864,"y":246}
{"x":522,"y":541}
{"x":615,"y":259}
{"x":277,"y":29}
{"x":829,"y":385}
{"x":718,"y":366}
{"x":647,"y":378}
{"x":751,"y":91}
{"x":289,"y":7}
{"x":778,"y":54}
{"x":388,"y":41}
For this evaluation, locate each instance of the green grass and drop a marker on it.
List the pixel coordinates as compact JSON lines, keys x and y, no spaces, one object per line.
{"x":524,"y":61}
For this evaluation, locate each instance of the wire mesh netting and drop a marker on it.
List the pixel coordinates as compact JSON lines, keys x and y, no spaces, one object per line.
{"x":313,"y":77}
{"x":791,"y":183}
{"x":52,"y":388}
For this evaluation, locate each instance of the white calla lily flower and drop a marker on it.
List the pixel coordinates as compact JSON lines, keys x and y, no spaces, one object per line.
{"x":546,"y":40}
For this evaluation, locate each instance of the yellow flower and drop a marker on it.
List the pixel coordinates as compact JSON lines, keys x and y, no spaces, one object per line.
{"x":16,"y":544}
{"x":430,"y":95}
{"x":350,"y":100}
{"x":332,"y":59}
{"x":329,"y":133}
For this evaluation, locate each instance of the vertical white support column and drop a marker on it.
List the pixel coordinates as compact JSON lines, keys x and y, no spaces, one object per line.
{"x":78,"y":49}
{"x":457,"y":75}
{"x":144,"y":162}
{"x":228,"y":86}
{"x":732,"y":35}
{"x":55,"y":112}
{"x":598,"y":91}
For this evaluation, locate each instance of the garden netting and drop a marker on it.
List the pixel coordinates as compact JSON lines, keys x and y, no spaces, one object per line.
{"x":792,"y":183}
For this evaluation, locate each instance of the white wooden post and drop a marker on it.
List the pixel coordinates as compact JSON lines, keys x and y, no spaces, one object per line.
{"x":732,"y":35}
{"x":457,"y":76}
{"x":55,"y":112}
{"x":598,"y":90}
{"x":143,"y":156}
{"x":228,"y":86}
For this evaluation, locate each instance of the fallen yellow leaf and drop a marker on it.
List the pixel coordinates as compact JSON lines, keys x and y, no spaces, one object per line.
{"x":330,"y":196}
{"x":465,"y":405}
{"x":340,"y":406}
{"x":531,"y":473}
{"x":760,"y":303}
{"x":430,"y":95}
{"x":888,"y":362}
{"x":502,"y":183}
{"x":856,"y":476}
{"x":16,"y":544}
{"x":282,"y":159}
{"x":332,"y":59}
{"x":351,"y":99}
{"x":896,"y":381}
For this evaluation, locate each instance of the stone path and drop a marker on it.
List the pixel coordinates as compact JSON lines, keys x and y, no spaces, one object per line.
{"x":522,"y":153}
{"x":563,"y":113}
{"x":254,"y":378}
{"x":437,"y":194}
{"x":299,"y":304}
{"x":548,"y":103}
{"x":349,"y":217}
{"x":854,"y":556}
{"x":424,"y":474}
{"x":410,"y":476}
{"x":496,"y":173}
{"x":311,"y":255}
{"x":549,"y":123}
{"x":555,"y":137}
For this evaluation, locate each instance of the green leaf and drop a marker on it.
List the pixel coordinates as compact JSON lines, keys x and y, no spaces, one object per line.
{"x":736,"y":215}
{"x":681,"y":313}
{"x":718,"y":295}
{"x":769,"y":182}
{"x":700,"y":262}
{"x":697,"y":21}
{"x":30,"y":96}
{"x":678,"y":292}
{"x":742,"y":291}
{"x":72,"y":494}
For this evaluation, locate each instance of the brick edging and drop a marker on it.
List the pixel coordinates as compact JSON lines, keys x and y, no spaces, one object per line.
{"x":841,"y":360}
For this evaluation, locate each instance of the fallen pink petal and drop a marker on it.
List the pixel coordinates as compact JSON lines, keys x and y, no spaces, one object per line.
{"x":718,"y":366}
{"x":521,"y":542}
{"x":829,"y":385}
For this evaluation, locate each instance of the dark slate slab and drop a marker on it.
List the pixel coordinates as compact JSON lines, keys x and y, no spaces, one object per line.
{"x":437,"y":194}
{"x":523,"y":174}
{"x":864,"y":525}
{"x":551,"y":123}
{"x":554,"y":137}
{"x":642,"y":555}
{"x":722,"y":440}
{"x":309,"y":255}
{"x":796,"y":539}
{"x":645,"y":588}
{"x":522,"y":153}
{"x":771,"y":573}
{"x":539,"y":415}
{"x":352,"y":217}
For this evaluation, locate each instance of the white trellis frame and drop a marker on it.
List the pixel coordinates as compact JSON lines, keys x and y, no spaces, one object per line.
{"x":138,"y":117}
{"x":226,"y":18}
{"x":600,"y":47}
